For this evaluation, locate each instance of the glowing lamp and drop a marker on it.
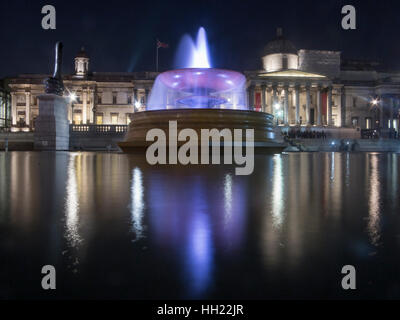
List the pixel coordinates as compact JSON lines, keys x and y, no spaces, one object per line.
{"x":72,"y":97}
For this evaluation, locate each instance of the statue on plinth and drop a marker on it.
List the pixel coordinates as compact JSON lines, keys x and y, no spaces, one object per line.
{"x":54,"y":84}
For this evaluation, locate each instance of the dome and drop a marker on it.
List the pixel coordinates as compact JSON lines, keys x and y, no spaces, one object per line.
{"x":82,"y":53}
{"x":280,"y":45}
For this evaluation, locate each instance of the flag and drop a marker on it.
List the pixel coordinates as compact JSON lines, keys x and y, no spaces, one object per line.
{"x":161,"y":44}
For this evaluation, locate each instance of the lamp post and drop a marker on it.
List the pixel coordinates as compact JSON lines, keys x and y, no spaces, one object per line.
{"x":376,"y":105}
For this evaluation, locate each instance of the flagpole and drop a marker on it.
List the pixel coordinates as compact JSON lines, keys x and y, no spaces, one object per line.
{"x":157,"y":58}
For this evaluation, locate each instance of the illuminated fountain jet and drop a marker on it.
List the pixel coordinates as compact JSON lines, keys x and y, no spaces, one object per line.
{"x":195,"y":84}
{"x":199,"y":97}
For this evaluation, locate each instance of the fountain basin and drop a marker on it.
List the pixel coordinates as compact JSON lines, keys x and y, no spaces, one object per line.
{"x":197,"y":119}
{"x":199,"y":88}
{"x":214,"y":80}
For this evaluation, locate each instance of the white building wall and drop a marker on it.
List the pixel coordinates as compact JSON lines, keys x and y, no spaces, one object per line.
{"x":107,"y":97}
{"x":275,"y":62}
{"x":122,"y":98}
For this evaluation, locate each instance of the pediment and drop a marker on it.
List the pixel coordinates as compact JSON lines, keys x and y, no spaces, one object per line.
{"x":292,"y":74}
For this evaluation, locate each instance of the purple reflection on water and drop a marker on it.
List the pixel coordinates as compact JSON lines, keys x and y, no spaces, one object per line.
{"x":187,"y":225}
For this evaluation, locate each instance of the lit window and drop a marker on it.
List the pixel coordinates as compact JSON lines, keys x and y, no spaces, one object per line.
{"x":114,"y":118}
{"x":77,"y":118}
{"x":368,"y":123}
{"x":99,"y":119}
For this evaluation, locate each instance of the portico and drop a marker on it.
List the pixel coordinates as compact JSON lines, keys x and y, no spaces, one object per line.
{"x":296,"y":97}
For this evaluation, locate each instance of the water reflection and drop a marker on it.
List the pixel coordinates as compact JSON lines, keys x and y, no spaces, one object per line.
{"x":277,"y":192}
{"x":393,"y":173}
{"x":204,"y":231}
{"x":374,"y":199}
{"x":347,"y":174}
{"x":72,"y":203}
{"x":199,"y":251}
{"x":181,"y":221}
{"x":137,"y":205}
{"x":332,"y":176}
{"x":235,"y":193}
{"x":228,"y":196}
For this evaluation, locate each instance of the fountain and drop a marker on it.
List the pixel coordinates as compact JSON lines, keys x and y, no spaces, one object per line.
{"x":195,"y":84}
{"x":198,"y":96}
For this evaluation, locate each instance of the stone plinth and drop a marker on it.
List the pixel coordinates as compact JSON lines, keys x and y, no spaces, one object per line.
{"x":52,"y":126}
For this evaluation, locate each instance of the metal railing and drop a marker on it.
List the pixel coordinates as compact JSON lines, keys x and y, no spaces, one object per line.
{"x":98,"y":129}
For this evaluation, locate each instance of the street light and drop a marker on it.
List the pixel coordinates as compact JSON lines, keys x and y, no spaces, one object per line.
{"x":375,"y":102}
{"x":72,"y":97}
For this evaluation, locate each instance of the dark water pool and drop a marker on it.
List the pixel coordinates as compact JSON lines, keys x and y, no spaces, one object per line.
{"x":115,"y":227}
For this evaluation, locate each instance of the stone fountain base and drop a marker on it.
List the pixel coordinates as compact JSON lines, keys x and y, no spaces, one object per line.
{"x":197,"y":119}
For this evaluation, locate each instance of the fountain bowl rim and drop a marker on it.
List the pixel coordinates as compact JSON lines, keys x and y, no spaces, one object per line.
{"x":209,"y":78}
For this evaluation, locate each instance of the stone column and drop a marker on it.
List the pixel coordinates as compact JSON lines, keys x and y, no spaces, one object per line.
{"x":251,"y":97}
{"x":14,"y":108}
{"x":343,"y":108}
{"x":286,"y":105}
{"x":146,"y":96}
{"x":271,"y":100}
{"x":297,"y":97}
{"x":329,"y":106}
{"x":381,"y":117}
{"x":308,"y":105}
{"x":84,"y":106}
{"x":263,"y":98}
{"x":27,"y":107}
{"x":391,"y":106}
{"x":91,"y":106}
{"x":319,"y":115}
{"x":274,"y":96}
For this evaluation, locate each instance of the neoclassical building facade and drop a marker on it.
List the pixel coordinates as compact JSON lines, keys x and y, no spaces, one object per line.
{"x":317,"y":88}
{"x":5,"y":106}
{"x":94,"y":97}
{"x":299,"y":87}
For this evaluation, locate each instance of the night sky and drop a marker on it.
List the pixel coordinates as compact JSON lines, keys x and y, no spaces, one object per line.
{"x":120,"y":36}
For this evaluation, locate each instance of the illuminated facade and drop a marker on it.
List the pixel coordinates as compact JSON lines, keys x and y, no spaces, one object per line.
{"x":98,"y":98}
{"x":5,"y":106}
{"x":299,"y":87}
{"x":317,"y":88}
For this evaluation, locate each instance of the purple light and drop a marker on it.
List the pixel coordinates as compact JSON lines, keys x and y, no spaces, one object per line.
{"x":197,"y":85}
{"x":198,"y":88}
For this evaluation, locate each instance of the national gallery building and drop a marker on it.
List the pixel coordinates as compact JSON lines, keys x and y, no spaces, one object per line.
{"x":299,"y":87}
